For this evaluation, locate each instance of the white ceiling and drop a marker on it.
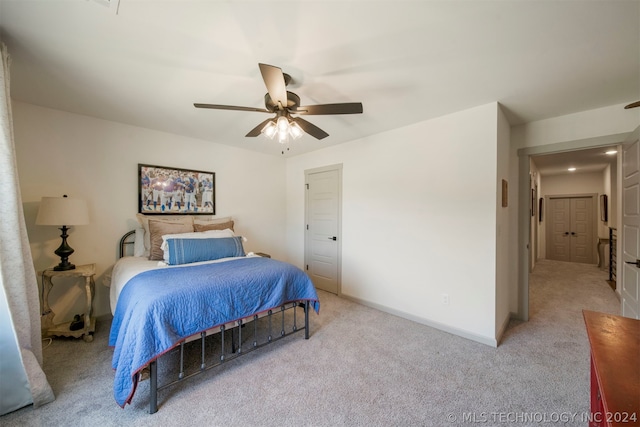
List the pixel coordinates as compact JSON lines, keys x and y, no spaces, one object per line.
{"x":146,"y":62}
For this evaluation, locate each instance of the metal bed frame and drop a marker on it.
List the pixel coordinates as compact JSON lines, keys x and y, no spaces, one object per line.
{"x":235,"y":330}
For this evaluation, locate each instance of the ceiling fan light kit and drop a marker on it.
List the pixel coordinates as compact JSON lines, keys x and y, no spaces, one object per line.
{"x":284,"y":128}
{"x":284,"y":103}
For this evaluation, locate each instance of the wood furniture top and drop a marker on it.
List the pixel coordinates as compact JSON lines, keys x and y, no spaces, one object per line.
{"x":615,"y":353}
{"x":86,"y":270}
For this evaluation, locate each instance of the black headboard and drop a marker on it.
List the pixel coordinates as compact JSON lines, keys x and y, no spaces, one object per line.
{"x":126,"y":240}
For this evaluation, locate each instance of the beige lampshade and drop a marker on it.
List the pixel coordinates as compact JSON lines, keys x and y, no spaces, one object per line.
{"x":62,"y":211}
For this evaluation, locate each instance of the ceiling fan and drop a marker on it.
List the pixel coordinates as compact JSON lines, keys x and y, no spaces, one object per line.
{"x":632,"y":105}
{"x":279,"y":101}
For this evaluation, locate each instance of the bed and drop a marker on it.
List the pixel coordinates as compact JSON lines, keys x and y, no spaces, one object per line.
{"x":245,"y":300}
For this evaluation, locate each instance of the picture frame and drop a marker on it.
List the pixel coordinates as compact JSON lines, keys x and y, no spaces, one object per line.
{"x":540,"y":208}
{"x":166,"y":190}
{"x":505,"y":193}
{"x":604,"y":209}
{"x":534,"y":199}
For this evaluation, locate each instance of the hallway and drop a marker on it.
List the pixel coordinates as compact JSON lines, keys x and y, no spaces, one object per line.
{"x":558,"y":292}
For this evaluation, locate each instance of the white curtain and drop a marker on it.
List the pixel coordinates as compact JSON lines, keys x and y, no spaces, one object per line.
{"x":22,"y":379}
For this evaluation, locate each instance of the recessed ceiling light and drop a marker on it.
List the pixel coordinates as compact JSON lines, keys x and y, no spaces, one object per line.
{"x":611,"y":152}
{"x":571,"y":169}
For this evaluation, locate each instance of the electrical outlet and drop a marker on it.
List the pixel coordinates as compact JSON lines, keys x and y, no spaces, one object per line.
{"x":445,"y":299}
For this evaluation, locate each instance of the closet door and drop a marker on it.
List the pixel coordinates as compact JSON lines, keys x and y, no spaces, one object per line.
{"x":570,"y":235}
{"x":582,"y":241}
{"x":559,"y":228}
{"x":322,"y":237}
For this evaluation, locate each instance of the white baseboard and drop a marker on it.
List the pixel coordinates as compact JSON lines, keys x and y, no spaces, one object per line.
{"x":493,"y":342}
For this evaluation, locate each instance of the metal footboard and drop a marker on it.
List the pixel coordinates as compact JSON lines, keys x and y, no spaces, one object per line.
{"x":274,"y":325}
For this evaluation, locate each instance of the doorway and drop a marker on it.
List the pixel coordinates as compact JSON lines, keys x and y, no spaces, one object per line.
{"x":582,"y":150}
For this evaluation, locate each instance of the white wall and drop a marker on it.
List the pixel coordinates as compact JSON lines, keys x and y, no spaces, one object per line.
{"x":419,"y":219}
{"x":61,"y":153}
{"x":586,"y":125}
{"x":573,"y":183}
{"x":506,"y":276}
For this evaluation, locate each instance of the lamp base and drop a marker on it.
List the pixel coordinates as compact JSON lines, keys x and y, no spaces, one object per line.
{"x":64,"y":251}
{"x":64,"y":267}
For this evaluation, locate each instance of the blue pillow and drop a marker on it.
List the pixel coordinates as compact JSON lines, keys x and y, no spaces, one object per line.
{"x":186,"y":251}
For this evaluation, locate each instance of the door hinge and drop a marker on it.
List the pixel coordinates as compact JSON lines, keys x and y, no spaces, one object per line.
{"x":307,"y":226}
{"x":307,"y":266}
{"x":307,"y":186}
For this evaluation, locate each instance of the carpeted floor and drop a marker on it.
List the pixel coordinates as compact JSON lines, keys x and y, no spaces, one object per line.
{"x":362,"y":367}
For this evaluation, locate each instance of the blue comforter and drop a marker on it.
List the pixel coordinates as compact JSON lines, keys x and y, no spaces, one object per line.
{"x":159,"y":308}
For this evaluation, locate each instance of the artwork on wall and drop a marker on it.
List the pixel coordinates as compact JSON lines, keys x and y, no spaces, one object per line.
{"x":505,"y":193}
{"x":170,"y":191}
{"x":604,"y":214}
{"x":534,"y":199}
{"x":540,"y":208}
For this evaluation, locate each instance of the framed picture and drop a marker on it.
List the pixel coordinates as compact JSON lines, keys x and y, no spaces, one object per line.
{"x":505,"y":193}
{"x":604,"y":214}
{"x":169,"y":191}
{"x":540,"y":208}
{"x":534,"y":199}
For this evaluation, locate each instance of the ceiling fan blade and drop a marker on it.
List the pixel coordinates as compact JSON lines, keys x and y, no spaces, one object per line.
{"x":230,"y":107}
{"x":344,"y":108}
{"x":258,"y":129}
{"x":276,"y":86}
{"x":310,"y":128}
{"x":632,"y":105}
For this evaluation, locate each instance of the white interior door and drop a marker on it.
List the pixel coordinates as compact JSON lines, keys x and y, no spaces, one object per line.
{"x":322,"y":235}
{"x":630,"y":289}
{"x":558,"y":234}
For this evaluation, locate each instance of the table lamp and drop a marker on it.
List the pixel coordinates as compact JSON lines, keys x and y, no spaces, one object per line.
{"x":63,"y":211}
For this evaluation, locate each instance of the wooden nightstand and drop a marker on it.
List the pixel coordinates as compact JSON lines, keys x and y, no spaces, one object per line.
{"x":62,"y":329}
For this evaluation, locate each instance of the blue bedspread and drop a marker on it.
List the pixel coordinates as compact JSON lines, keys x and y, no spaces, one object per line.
{"x":159,"y":308}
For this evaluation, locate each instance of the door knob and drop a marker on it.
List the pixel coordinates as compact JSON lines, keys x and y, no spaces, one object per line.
{"x":334,"y":238}
{"x":573,"y":233}
{"x":636,"y":262}
{"x":566,"y":233}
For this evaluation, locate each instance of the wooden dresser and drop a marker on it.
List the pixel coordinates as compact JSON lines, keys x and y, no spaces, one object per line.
{"x":615,"y":369}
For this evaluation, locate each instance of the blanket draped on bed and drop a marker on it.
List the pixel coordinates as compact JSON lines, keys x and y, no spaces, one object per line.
{"x":159,"y":308}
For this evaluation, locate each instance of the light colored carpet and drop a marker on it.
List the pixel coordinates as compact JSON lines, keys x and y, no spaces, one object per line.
{"x":362,"y":367}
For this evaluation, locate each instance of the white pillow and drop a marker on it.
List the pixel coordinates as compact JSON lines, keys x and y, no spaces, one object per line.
{"x":138,"y":244}
{"x":194,"y":235}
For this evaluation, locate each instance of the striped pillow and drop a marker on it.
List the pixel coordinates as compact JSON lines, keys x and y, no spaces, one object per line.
{"x":186,"y":251}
